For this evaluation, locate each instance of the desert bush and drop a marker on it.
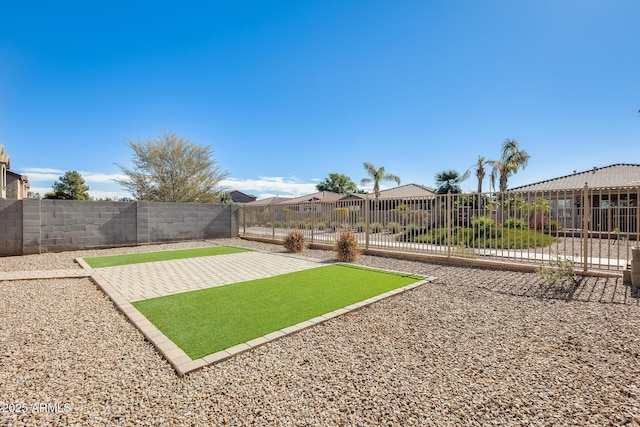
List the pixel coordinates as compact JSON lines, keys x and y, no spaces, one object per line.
{"x":335,"y":225}
{"x":484,"y":227}
{"x":410,"y":233}
{"x":394,"y":227}
{"x":341,"y":214}
{"x":417,"y":217}
{"x":560,"y":272}
{"x":539,"y":222}
{"x":347,"y":246}
{"x":515,"y":224}
{"x":553,"y":226}
{"x":376,"y":227}
{"x":359,"y":227}
{"x":295,"y":242}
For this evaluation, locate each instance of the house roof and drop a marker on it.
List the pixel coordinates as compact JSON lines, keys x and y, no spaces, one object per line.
{"x":237,"y":195}
{"x":408,"y":190}
{"x":617,"y":175}
{"x":268,"y":201}
{"x":321,"y":196}
{"x":23,"y":178}
{"x":4,"y":157}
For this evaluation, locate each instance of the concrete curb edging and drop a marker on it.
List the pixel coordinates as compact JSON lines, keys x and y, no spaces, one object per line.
{"x":182,"y":363}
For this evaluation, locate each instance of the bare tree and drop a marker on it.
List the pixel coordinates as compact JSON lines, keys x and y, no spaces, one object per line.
{"x":173,"y":169}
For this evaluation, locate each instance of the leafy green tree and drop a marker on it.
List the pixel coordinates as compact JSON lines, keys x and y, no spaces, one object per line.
{"x":448,"y":181}
{"x":377,"y":175}
{"x":70,"y":186}
{"x":338,"y":183}
{"x":173,"y":169}
{"x":511,"y":160}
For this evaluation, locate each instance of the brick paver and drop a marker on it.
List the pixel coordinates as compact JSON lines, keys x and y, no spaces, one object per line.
{"x":153,"y":279}
{"x":128,"y":283}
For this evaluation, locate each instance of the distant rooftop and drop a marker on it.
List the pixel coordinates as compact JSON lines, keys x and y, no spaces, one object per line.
{"x":321,"y":196}
{"x":268,"y":201}
{"x":617,"y":175}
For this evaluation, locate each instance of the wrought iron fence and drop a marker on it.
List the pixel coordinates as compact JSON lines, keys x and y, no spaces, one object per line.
{"x":594,"y":227}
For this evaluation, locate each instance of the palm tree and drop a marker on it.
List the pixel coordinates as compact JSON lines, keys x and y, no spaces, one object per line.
{"x":448,"y":181}
{"x":377,"y":175}
{"x":480,"y":174}
{"x":511,"y":160}
{"x":479,"y":169}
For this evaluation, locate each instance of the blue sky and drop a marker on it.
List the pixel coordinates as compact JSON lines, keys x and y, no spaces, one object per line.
{"x":286,"y":92}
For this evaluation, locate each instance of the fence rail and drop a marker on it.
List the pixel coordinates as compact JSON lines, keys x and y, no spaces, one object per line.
{"x":594,"y":227}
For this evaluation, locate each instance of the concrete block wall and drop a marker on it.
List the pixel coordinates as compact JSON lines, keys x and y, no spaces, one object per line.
{"x":190,"y":221}
{"x":10,"y":227}
{"x":74,"y":224}
{"x":33,"y":226}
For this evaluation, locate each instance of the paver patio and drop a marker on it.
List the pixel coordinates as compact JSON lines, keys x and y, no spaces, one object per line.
{"x":128,"y":283}
{"x":154,"y":279}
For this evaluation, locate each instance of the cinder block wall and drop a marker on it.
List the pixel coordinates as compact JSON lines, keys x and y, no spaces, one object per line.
{"x":33,"y":226}
{"x":186,"y":221}
{"x":10,"y":227}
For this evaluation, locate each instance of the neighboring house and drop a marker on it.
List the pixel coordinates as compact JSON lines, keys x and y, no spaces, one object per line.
{"x":305,"y":203}
{"x":391,"y":203}
{"x":240,"y":197}
{"x":268,"y":201}
{"x":4,"y":166}
{"x":12,"y":185}
{"x":17,"y":186}
{"x":613,"y":193}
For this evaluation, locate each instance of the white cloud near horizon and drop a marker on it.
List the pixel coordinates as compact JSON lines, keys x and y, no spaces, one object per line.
{"x":262,"y":187}
{"x":270,"y":186}
{"x":48,"y":174}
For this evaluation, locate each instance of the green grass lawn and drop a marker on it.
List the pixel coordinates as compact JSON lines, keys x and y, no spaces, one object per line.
{"x":206,"y":321}
{"x":114,"y":260}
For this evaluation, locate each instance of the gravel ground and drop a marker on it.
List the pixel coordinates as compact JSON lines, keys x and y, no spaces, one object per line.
{"x":477,"y":347}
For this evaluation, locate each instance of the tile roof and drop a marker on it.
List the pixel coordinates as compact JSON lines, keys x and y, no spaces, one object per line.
{"x":321,"y":196}
{"x":617,"y":175}
{"x":268,"y":201}
{"x":408,"y":190}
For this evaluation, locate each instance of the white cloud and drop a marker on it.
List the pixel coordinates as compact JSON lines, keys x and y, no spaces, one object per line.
{"x":270,"y":186}
{"x":51,"y":175}
{"x":98,"y":194}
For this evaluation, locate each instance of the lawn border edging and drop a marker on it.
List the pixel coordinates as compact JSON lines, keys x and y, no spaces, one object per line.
{"x":183,"y":364}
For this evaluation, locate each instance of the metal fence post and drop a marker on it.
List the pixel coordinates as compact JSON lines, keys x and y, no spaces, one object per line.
{"x":585,"y":226}
{"x":313,"y":219}
{"x":244,"y":220}
{"x":366,"y":221}
{"x":273,"y":222}
{"x":449,"y":222}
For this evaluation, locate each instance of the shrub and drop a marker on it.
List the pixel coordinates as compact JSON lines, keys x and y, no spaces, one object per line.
{"x":347,"y":246}
{"x":394,"y":227}
{"x":360,"y":226}
{"x":515,"y":224}
{"x":335,"y":225}
{"x":417,"y":217}
{"x":295,"y":242}
{"x":410,"y":233}
{"x":484,"y":227}
{"x":560,"y":272}
{"x":341,"y":214}
{"x":539,"y":222}
{"x":376,"y":227}
{"x":553,"y":226}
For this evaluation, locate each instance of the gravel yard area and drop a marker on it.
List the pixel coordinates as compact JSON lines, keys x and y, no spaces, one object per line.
{"x":477,"y":347}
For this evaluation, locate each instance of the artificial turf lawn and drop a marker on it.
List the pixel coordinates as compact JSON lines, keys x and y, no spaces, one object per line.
{"x":209,"y":320}
{"x":114,"y":260}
